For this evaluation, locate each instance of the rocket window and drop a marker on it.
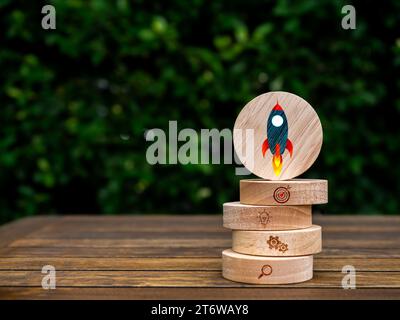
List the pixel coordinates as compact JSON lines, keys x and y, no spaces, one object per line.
{"x":277,"y":121}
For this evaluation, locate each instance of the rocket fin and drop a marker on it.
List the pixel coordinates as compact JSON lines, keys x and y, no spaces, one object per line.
{"x":264,"y":147}
{"x":289,"y":147}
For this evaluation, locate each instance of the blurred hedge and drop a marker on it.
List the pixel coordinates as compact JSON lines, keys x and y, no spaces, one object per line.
{"x":76,"y":101}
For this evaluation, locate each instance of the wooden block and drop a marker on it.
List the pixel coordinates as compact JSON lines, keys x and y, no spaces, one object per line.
{"x":288,"y":243}
{"x":266,"y":270}
{"x":289,"y":192}
{"x":239,"y":216}
{"x":277,"y":136}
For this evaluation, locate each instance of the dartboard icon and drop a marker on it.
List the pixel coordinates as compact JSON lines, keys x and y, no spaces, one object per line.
{"x":281,"y":194}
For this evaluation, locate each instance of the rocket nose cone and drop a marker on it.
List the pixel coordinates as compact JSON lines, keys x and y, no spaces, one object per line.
{"x":277,"y":107}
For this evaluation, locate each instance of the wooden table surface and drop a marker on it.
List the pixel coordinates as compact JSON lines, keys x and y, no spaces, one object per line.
{"x":179,"y":257}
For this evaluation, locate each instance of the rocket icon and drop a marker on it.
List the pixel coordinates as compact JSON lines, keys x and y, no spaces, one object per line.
{"x":277,"y":138}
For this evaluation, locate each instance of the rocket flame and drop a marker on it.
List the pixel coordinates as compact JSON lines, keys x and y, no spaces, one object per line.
{"x":277,"y":160}
{"x":277,"y":164}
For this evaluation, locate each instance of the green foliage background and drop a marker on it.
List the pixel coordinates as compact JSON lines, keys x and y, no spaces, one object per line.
{"x":76,"y":101}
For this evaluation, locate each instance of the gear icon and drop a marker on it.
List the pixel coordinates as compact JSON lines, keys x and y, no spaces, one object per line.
{"x":273,"y":242}
{"x":283,"y":247}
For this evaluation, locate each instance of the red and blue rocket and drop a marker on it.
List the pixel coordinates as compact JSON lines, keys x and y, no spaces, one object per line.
{"x":277,"y":138}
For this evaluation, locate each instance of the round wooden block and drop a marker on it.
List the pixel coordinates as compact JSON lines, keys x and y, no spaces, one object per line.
{"x":239,"y":216}
{"x":287,"y":243}
{"x":290,"y":192}
{"x":266,"y":270}
{"x":287,"y":136}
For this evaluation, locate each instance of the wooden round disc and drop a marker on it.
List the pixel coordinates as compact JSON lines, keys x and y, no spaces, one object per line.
{"x":266,"y":270}
{"x":287,"y":243}
{"x":287,"y":135}
{"x":239,"y":216}
{"x":289,"y":192}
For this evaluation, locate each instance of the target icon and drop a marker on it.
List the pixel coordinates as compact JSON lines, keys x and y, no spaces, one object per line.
{"x":281,"y":194}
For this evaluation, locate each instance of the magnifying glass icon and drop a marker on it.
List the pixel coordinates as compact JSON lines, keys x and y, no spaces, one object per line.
{"x":266,"y":270}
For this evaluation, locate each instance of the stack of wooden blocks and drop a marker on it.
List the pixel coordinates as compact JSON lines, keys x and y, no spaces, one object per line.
{"x":273,"y":238}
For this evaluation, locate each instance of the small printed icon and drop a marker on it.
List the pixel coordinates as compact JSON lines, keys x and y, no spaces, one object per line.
{"x":277,"y":138}
{"x":282,"y":194}
{"x":264,"y":217}
{"x":266,"y":270}
{"x":275,"y":243}
{"x":283,"y":247}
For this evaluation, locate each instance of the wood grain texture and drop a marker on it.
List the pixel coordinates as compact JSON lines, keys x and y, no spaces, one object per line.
{"x":289,"y":192}
{"x":321,"y":263}
{"x":185,"y":279}
{"x":266,"y":270}
{"x":286,"y":243}
{"x":281,"y":292}
{"x":86,"y":270}
{"x":299,"y":124}
{"x":237,"y":216}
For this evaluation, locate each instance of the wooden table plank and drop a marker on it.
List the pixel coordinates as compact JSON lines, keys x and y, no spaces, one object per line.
{"x":253,"y":293}
{"x":176,"y":252}
{"x":22,"y":228}
{"x":178,"y":242}
{"x":165,"y":256}
{"x":179,"y":263}
{"x":187,"y":279}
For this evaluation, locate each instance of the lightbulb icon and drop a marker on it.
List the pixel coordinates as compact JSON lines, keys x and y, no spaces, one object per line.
{"x":264,"y":217}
